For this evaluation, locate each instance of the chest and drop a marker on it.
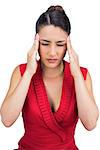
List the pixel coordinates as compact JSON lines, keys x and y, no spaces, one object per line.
{"x":54,"y":92}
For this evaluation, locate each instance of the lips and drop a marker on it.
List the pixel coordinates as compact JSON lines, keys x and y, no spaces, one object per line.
{"x":52,"y":60}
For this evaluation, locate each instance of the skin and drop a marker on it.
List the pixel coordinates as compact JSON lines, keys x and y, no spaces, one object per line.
{"x":52,"y":47}
{"x":15,"y":98}
{"x":87,"y":108}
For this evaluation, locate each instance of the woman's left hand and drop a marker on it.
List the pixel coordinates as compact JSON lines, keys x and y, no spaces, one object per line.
{"x":73,"y":58}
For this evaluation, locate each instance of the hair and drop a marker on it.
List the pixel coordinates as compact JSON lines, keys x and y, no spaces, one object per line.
{"x":54,"y":15}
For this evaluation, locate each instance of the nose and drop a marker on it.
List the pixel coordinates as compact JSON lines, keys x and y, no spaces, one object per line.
{"x":53,"y":51}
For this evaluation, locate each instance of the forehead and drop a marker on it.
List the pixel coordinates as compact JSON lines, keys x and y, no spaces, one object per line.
{"x":52,"y":33}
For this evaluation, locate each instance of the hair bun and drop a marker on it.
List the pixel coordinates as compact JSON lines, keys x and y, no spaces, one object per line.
{"x":54,"y":8}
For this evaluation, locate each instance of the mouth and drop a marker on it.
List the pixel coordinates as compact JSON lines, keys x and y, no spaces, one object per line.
{"x":52,"y":60}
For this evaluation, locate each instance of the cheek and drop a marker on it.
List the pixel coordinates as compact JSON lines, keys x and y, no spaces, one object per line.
{"x":42,"y":51}
{"x":63,"y":52}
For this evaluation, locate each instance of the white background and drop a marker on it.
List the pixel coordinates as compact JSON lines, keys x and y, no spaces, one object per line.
{"x":17,"y":29}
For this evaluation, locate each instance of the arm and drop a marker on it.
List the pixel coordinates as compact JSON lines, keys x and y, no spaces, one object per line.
{"x":14,"y":100}
{"x":87,"y":108}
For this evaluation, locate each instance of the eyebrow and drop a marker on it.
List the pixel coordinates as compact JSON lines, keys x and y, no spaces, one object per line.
{"x":49,"y":41}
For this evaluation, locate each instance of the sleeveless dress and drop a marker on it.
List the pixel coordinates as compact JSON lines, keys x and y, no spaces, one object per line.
{"x":44,"y":129}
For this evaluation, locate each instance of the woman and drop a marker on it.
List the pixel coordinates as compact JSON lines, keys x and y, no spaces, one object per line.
{"x":51,"y":92}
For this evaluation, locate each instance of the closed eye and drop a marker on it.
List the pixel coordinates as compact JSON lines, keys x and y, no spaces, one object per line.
{"x":44,"y":44}
{"x":48,"y":44}
{"x":60,"y":45}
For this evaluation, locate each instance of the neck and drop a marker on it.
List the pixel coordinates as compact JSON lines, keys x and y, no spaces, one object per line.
{"x":52,"y":73}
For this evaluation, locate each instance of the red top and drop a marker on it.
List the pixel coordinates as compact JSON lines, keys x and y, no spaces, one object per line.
{"x":44,"y":129}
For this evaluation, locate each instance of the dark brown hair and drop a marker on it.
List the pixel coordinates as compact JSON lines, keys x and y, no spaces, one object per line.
{"x":54,"y":15}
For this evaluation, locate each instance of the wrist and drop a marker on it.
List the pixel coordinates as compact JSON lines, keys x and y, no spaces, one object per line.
{"x":78,"y":76}
{"x":28,"y":74}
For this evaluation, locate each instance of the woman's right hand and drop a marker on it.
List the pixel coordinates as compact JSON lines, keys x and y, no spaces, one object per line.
{"x":31,"y":56}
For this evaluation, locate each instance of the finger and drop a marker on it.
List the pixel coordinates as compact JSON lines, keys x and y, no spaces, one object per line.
{"x":35,"y":45}
{"x":36,"y":42}
{"x":70,"y":49}
{"x":69,"y":45}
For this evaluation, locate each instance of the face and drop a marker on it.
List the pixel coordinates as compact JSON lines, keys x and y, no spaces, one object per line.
{"x":52,"y":45}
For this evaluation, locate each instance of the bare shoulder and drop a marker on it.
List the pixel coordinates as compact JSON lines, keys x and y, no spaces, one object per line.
{"x":89,"y":85}
{"x":16,"y":73}
{"x":15,"y":78}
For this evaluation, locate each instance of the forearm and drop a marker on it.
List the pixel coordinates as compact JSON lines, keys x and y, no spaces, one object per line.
{"x":13,"y":104}
{"x":87,"y":108}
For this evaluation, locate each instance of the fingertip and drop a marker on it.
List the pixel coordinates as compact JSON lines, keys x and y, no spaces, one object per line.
{"x":37,"y":36}
{"x":68,"y":38}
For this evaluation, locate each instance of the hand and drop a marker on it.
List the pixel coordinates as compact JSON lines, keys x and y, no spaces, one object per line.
{"x":31,"y":56}
{"x":73,"y":58}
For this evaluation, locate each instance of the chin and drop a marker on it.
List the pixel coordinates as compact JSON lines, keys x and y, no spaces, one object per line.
{"x":50,"y":64}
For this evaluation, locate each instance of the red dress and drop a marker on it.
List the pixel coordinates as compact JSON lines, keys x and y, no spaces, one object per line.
{"x":44,"y":129}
